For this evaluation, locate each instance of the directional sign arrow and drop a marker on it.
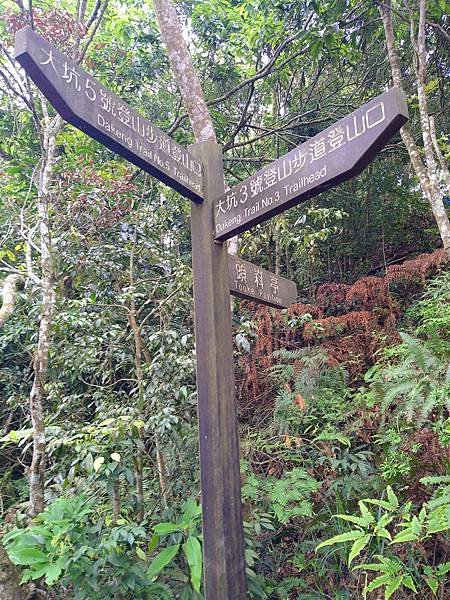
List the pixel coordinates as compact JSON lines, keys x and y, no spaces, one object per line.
{"x":248,"y":281}
{"x":327,"y":159}
{"x":85,"y":103}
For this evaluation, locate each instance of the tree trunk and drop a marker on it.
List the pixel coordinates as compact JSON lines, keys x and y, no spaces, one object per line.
{"x":139,"y":349}
{"x":139,"y":468}
{"x":160,"y":460}
{"x":444,"y":168}
{"x":188,"y":82}
{"x":436,"y":200}
{"x":10,"y":588}
{"x":36,"y":471}
{"x":10,"y":285}
{"x":47,"y":131}
{"x":183,"y":70}
{"x":139,"y":462}
{"x":426,"y":175}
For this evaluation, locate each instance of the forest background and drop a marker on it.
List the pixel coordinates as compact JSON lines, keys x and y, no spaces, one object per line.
{"x":341,"y":398}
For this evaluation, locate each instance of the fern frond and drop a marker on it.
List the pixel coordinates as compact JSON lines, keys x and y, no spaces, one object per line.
{"x":401,"y":387}
{"x":159,"y":591}
{"x":292,"y":582}
{"x":290,"y":355}
{"x":441,"y":496}
{"x":435,"y":399}
{"x":442,"y":500}
{"x":435,"y":479}
{"x":424,"y":359}
{"x":284,"y":587}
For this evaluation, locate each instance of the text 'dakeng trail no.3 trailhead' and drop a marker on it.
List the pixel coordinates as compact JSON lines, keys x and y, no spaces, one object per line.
{"x":334,"y":155}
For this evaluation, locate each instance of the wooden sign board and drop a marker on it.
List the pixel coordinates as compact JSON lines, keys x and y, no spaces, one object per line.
{"x":85,"y":103}
{"x":253,"y":283}
{"x":329,"y":158}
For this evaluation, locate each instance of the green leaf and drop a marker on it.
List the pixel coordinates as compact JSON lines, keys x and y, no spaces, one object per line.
{"x":437,"y":523}
{"x":384,"y":533}
{"x":357,"y":547}
{"x":152,"y":544}
{"x":443,"y":568}
{"x":366,"y":512}
{"x":415,"y":526}
{"x":391,"y":565}
{"x":163,"y":528}
{"x":361,"y":521}
{"x":30,"y":574}
{"x":98,"y":463}
{"x":161,"y":560}
{"x":404,"y":536}
{"x":392,"y":586}
{"x":349,"y":536}
{"x":27,"y":555}
{"x":377,"y":582}
{"x":381,"y":503}
{"x":433,"y":584}
{"x":12,"y":535}
{"x":386,"y":565}
{"x":408,"y":581}
{"x":89,"y":462}
{"x":54,"y":571}
{"x":369,"y":567}
{"x":191,"y":510}
{"x":333,"y":435}
{"x":384,"y":521}
{"x":141,"y":553}
{"x":193,"y":552}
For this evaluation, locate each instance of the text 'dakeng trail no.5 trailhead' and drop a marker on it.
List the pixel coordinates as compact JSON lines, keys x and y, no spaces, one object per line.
{"x":85,"y":103}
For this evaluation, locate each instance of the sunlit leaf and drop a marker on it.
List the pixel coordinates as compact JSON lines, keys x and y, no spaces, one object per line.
{"x":162,"y":560}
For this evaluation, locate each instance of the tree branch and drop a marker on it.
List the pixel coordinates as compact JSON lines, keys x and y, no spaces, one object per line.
{"x":97,"y":20}
{"x":93,"y":14}
{"x":259,"y":75}
{"x":242,"y":119}
{"x":439,"y":28}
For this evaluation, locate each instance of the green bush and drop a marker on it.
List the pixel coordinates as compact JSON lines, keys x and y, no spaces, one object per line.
{"x":393,"y":535}
{"x":68,"y":543}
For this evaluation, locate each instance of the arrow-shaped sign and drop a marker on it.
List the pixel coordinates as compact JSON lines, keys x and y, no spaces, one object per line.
{"x":85,"y":103}
{"x":253,"y":283}
{"x":329,"y":158}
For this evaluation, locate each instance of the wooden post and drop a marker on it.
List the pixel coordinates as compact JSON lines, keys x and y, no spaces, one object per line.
{"x":223,"y":536}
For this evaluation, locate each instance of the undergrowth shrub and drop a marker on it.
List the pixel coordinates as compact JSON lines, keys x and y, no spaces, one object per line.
{"x":394,"y":535}
{"x":68,"y":543}
{"x":417,"y":383}
{"x":350,"y":324}
{"x":355,"y":430}
{"x":282,"y":498}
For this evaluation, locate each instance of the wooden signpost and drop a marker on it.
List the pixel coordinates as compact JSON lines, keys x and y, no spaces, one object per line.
{"x":327,"y":159}
{"x":336,"y":154}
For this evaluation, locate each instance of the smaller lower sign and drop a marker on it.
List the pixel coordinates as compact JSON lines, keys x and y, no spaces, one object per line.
{"x":253,"y":283}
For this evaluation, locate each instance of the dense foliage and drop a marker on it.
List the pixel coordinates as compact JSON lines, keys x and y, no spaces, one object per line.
{"x":343,"y":399}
